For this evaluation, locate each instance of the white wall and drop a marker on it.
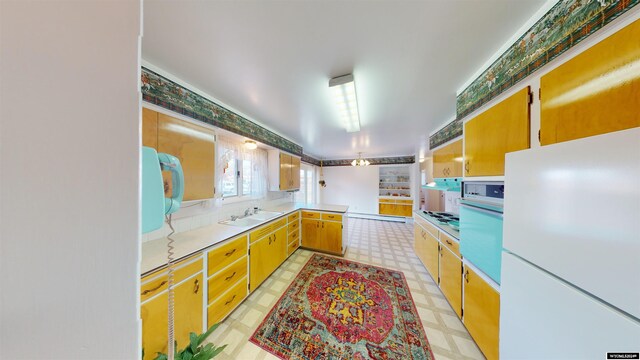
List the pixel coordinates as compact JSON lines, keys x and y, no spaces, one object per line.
{"x":69,"y":156}
{"x":354,"y":186}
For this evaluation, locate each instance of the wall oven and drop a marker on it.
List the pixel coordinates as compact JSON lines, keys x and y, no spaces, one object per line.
{"x":481,"y":210}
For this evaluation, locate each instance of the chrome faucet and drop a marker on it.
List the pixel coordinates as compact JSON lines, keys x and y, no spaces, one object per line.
{"x":234,"y":217}
{"x":247,"y":212}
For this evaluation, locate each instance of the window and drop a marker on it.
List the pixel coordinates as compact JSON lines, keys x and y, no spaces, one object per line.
{"x":230,"y":179}
{"x":237,"y":178}
{"x":241,"y":172}
{"x":306,"y":193}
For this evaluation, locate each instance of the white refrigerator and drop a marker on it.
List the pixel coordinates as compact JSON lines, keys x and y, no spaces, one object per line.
{"x":571,"y":249}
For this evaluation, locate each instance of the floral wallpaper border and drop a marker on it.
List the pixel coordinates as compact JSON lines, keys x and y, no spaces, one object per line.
{"x":310,"y":160}
{"x":565,"y":25}
{"x":373,"y":161}
{"x":163,"y":92}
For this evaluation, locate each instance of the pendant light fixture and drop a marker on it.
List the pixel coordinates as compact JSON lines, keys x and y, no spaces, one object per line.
{"x":360,"y":161}
{"x":250,"y":144}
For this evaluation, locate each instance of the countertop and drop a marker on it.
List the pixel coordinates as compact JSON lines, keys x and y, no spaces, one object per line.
{"x":154,"y":252}
{"x":445,"y":228}
{"x":395,"y":197}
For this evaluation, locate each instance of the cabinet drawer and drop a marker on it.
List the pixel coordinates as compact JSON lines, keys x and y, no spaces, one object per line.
{"x":410,"y":202}
{"x":294,"y":236}
{"x":279,"y":223}
{"x":386,"y":201}
{"x":261,"y":232}
{"x":332,"y":217}
{"x":310,"y":215}
{"x":292,"y":247}
{"x":427,"y":226}
{"x":159,"y":284}
{"x":295,"y":216}
{"x":294,"y":226}
{"x":226,"y":303}
{"x":223,"y":280}
{"x":450,"y":243}
{"x":224,"y":255}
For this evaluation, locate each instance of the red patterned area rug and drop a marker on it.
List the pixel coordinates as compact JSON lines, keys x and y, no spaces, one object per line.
{"x":340,"y":309}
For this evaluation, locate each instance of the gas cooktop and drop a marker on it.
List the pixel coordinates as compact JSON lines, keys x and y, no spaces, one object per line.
{"x":442,"y":217}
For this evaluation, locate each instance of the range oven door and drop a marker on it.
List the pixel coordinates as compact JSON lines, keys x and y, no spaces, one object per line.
{"x":481,"y":237}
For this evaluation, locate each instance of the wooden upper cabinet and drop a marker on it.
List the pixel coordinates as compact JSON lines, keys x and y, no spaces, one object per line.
{"x":285,"y":171}
{"x":489,"y":136}
{"x":295,"y":172}
{"x":195,"y":147}
{"x":149,"y":128}
{"x":447,"y":161}
{"x":596,"y":92}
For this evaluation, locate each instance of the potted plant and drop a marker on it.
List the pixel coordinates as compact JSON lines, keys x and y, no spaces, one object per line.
{"x":195,"y":350}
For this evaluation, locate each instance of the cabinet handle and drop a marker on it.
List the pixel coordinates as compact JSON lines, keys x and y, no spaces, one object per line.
{"x":230,"y":252}
{"x":230,"y":276}
{"x":270,"y":240}
{"x":466,"y":276}
{"x":196,"y":286}
{"x":229,"y":302}
{"x":318,"y":224}
{"x":323,"y":224}
{"x":466,"y":166}
{"x":448,"y":242}
{"x":154,"y":289}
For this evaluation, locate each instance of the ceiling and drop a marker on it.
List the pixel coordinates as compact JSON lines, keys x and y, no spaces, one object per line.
{"x":272,"y":61}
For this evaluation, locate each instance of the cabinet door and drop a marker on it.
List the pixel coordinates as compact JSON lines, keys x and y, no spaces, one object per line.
{"x":489,"y":136}
{"x":440,"y":163}
{"x":481,"y":313}
{"x":149,"y":128}
{"x":451,"y":279}
{"x":295,"y":172}
{"x":387,"y":209}
{"x":577,"y":102}
{"x":310,"y":233}
{"x":427,"y":249}
{"x":285,"y":171}
{"x":331,"y":237}
{"x":194,"y":146}
{"x":456,"y":159}
{"x":260,"y":262}
{"x":188,"y":309}
{"x":188,"y":299}
{"x":153,"y":314}
{"x":280,"y":247}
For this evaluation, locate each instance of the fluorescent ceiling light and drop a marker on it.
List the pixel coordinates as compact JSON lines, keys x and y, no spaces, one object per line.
{"x":344,"y":94}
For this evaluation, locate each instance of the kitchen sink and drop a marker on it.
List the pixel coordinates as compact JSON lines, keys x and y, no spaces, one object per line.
{"x":248,"y":221}
{"x":252,"y":220}
{"x":264,"y":215}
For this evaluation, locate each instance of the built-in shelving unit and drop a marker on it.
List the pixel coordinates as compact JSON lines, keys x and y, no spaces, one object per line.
{"x":395,"y":181}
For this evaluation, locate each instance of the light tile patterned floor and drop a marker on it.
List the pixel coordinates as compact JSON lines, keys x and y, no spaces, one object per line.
{"x":382,"y":243}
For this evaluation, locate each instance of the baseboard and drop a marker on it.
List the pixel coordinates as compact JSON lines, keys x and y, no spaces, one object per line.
{"x":378,"y":217}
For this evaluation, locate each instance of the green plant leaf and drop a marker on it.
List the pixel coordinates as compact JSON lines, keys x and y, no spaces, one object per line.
{"x":194,"y":342}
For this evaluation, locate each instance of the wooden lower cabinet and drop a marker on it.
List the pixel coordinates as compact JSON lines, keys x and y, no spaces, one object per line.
{"x":331,"y":237}
{"x":395,"y":207}
{"x":228,"y":301}
{"x":427,"y":249}
{"x":323,"y":235}
{"x":482,"y":313}
{"x":311,"y":233}
{"x":187,"y":317}
{"x":266,"y":255}
{"x":451,"y":278}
